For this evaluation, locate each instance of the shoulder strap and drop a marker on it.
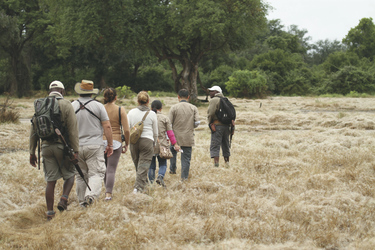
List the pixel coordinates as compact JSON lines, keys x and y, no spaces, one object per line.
{"x":144,"y":117}
{"x":119,"y":115}
{"x":83,"y":106}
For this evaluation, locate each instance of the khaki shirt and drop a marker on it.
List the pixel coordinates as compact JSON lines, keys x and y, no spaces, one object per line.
{"x":69,"y":121}
{"x":213,"y":107}
{"x":163,"y":126}
{"x":183,"y":115}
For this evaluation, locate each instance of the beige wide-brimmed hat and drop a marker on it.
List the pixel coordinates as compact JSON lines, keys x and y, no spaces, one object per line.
{"x":85,"y":87}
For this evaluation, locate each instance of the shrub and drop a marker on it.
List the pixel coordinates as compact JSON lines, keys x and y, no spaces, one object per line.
{"x":245,"y":83}
{"x":125,"y":92}
{"x":7,"y":115}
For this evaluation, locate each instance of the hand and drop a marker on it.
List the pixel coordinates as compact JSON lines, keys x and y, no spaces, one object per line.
{"x":177,"y":147}
{"x":124,"y":149}
{"x":108,"y":151}
{"x":33,"y":160}
{"x":74,"y":159}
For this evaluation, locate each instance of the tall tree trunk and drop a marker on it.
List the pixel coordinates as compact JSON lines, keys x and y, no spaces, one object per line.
{"x":187,"y":78}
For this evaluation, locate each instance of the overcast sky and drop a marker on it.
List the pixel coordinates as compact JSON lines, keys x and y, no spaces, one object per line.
{"x":323,"y":19}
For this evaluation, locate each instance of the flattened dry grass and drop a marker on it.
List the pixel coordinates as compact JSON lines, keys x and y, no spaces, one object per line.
{"x":301,"y":177}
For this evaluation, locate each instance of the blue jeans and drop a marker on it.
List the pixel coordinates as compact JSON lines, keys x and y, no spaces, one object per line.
{"x":185,"y":161}
{"x":162,"y":168}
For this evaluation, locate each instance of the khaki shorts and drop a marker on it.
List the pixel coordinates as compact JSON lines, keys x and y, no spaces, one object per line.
{"x":56,"y":165}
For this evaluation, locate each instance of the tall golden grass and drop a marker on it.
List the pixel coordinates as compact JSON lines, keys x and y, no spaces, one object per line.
{"x":301,"y":177}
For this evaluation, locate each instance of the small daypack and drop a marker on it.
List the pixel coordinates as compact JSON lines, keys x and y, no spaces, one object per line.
{"x":136,"y":130}
{"x":46,"y":117}
{"x":226,"y":112}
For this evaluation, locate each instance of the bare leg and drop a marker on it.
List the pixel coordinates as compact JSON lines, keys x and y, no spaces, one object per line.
{"x":50,"y":192}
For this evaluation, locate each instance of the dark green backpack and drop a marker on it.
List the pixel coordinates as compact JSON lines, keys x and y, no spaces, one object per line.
{"x":46,"y":117}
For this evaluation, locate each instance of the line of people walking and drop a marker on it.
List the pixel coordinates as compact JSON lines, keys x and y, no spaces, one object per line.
{"x":98,"y":134}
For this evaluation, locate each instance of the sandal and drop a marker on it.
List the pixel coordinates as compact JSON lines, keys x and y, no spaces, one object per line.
{"x":50,"y":215}
{"x":63,"y":204}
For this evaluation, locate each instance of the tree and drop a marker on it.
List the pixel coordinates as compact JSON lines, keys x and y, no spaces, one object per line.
{"x":322,"y":49}
{"x":245,"y":83}
{"x":185,"y":31}
{"x":361,"y":39}
{"x":20,"y":22}
{"x":96,"y":31}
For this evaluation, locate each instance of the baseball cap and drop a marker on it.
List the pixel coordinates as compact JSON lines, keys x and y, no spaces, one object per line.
{"x":56,"y":84}
{"x":217,"y":88}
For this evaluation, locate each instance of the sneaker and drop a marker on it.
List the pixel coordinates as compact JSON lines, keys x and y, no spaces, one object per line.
{"x":216,"y":165}
{"x":88,"y":201}
{"x":227,"y":165}
{"x":135,"y":191}
{"x":160,"y":181}
{"x":63,"y":204}
{"x":172,"y":172}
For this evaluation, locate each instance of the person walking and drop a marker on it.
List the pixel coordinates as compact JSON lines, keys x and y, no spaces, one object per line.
{"x":93,"y":120}
{"x":120,"y":131}
{"x":143,"y":150}
{"x":55,"y":163}
{"x":184,"y":118}
{"x":219,"y":132}
{"x":165,"y":136}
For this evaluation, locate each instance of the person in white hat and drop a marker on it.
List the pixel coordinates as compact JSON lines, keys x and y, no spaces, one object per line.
{"x":92,"y":121}
{"x":56,"y":164}
{"x":219,"y":132}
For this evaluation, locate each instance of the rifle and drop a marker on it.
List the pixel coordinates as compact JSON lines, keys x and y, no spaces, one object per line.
{"x":71,"y":156}
{"x":232,"y":127}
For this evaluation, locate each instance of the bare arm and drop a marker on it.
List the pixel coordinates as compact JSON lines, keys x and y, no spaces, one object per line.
{"x":108,"y":134}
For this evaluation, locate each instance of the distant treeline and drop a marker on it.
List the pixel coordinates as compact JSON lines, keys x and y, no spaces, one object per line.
{"x":169,"y":45}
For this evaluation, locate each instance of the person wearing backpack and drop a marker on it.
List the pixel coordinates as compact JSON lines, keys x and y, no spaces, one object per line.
{"x":56,"y":164}
{"x":93,"y":120}
{"x":220,"y":122}
{"x":142,"y":150}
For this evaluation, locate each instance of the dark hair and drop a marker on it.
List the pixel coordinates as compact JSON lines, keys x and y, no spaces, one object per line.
{"x":109,"y":95}
{"x":184,"y":93}
{"x":155,"y":105}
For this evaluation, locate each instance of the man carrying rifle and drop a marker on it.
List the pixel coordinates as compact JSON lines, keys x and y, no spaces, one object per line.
{"x":56,"y":163}
{"x":221,"y":123}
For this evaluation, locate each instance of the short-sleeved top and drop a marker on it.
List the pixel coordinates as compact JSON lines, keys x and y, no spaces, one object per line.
{"x":163,"y":126}
{"x":183,"y":115}
{"x":90,"y":127}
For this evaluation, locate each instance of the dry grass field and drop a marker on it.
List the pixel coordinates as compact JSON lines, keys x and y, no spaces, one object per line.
{"x":302,"y":176}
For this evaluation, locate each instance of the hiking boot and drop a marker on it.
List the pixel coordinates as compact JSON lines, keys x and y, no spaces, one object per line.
{"x":172,"y":172}
{"x":63,"y":204}
{"x":50,"y":215}
{"x":160,"y":181}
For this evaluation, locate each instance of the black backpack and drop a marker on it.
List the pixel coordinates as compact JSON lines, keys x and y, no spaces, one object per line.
{"x":226,"y":112}
{"x":46,"y":117}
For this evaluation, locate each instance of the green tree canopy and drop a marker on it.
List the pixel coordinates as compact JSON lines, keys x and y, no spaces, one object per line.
{"x":361,"y":39}
{"x":185,"y":31}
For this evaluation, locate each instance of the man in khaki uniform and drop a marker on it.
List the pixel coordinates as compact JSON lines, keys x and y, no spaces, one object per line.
{"x":56,"y":164}
{"x":184,"y":118}
{"x":219,"y":132}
